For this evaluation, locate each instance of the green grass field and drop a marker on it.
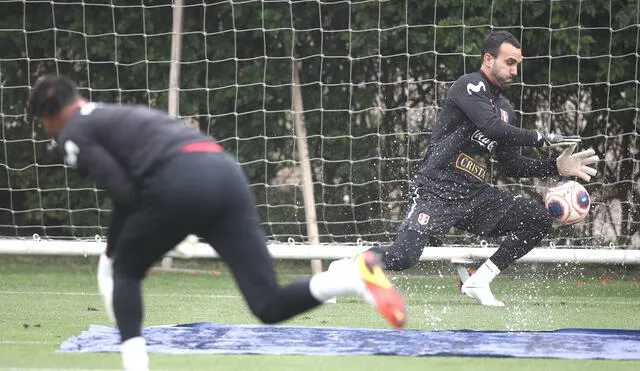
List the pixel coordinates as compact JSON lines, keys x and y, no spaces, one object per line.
{"x":44,"y":303}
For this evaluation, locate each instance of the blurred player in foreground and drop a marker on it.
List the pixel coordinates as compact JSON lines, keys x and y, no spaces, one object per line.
{"x":476,"y":123}
{"x":167,"y":181}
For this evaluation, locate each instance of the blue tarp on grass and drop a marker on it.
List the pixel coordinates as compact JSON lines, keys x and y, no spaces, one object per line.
{"x":212,"y":338}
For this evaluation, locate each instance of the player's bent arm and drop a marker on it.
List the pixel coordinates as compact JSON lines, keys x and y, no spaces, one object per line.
{"x":477,"y":106}
{"x":109,"y":175}
{"x":81,"y":152}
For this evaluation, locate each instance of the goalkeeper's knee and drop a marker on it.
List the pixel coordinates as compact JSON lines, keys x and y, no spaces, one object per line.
{"x":105,"y":284}
{"x":406,"y":250}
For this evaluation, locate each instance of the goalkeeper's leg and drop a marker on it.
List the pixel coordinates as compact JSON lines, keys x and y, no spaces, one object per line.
{"x":242,"y":247}
{"x":234,"y":230}
{"x":424,"y":225}
{"x":127,"y":304}
{"x":406,"y":250}
{"x":146,"y":236}
{"x":403,"y":254}
{"x":522,"y":222}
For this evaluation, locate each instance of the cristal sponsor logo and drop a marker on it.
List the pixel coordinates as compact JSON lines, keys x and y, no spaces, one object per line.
{"x":471,"y":88}
{"x":469,"y":165}
{"x":481,"y":139}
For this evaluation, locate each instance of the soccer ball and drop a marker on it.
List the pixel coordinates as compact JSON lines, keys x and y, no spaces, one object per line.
{"x":568,"y":202}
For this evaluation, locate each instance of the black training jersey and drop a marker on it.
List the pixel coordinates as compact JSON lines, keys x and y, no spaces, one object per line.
{"x":474,"y":125}
{"x":118,"y":145}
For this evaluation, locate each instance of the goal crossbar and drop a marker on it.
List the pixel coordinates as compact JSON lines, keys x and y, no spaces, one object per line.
{"x":328,"y":252}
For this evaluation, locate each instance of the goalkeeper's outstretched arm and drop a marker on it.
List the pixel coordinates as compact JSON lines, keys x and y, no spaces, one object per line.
{"x":516,"y":165}
{"x":567,"y":164}
{"x":471,"y":95}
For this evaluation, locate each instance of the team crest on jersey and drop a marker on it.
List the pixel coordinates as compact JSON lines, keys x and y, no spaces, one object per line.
{"x":504,"y":115}
{"x":423,"y":219}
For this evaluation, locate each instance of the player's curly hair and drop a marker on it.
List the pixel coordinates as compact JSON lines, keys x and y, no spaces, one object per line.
{"x":495,"y":39}
{"x":49,"y":95}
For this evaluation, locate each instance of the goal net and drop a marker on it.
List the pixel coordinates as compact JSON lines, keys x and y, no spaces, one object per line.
{"x":372,"y":77}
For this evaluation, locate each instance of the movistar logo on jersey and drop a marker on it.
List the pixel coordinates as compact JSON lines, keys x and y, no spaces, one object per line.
{"x":475,"y":88}
{"x":483,"y":140}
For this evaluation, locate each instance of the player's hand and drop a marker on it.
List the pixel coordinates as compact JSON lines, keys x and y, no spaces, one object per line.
{"x":575,"y":164}
{"x":547,"y":140}
{"x":105,"y":284}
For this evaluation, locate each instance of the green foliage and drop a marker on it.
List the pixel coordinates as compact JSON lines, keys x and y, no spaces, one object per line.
{"x":372,"y":75}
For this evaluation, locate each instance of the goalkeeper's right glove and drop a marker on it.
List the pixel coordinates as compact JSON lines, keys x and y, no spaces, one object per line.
{"x":575,"y":164}
{"x":105,"y":284}
{"x":547,"y":140}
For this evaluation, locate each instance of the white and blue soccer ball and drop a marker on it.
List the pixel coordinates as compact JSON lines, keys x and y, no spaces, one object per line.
{"x":568,"y":202}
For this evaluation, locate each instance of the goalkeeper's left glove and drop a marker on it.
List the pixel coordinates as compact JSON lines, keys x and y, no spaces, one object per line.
{"x":105,"y":284}
{"x":575,"y":164}
{"x":547,"y":140}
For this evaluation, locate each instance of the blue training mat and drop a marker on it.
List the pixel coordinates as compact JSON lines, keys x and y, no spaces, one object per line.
{"x":211,"y":338}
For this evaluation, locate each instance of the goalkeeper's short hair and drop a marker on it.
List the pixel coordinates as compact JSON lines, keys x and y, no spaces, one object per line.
{"x":494,"y":40}
{"x":49,"y":95}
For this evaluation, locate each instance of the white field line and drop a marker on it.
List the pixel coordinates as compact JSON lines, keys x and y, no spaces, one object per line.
{"x":203,"y":296}
{"x":55,"y":293}
{"x":27,"y":342}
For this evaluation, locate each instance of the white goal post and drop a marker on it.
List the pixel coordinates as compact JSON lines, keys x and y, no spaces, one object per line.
{"x":192,"y":249}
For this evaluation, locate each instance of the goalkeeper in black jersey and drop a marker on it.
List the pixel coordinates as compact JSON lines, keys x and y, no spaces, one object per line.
{"x":167,"y":181}
{"x":475,"y":125}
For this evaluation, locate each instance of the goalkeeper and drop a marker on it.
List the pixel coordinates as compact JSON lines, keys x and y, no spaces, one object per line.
{"x":167,"y":181}
{"x":475,"y":125}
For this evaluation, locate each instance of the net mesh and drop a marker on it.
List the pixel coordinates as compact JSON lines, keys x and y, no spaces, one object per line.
{"x":373,"y":75}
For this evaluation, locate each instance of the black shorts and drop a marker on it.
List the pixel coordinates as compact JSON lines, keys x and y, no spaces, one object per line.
{"x":434,"y":213}
{"x":205,"y":194}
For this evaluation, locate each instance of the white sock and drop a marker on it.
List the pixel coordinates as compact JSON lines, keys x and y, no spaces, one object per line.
{"x":134,"y":354}
{"x":339,"y":282}
{"x":484,"y":275}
